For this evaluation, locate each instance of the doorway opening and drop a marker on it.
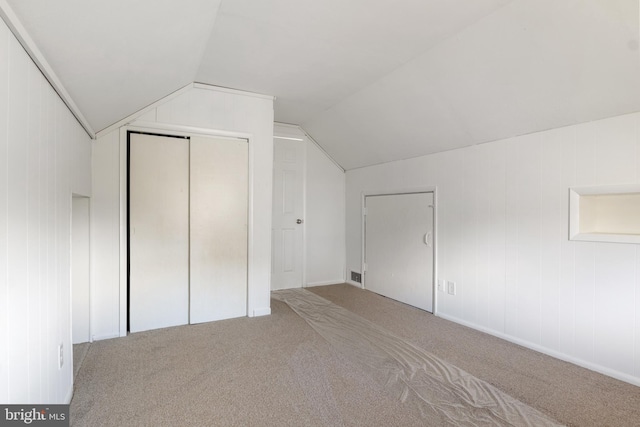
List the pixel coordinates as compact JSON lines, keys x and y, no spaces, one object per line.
{"x":80,"y":270}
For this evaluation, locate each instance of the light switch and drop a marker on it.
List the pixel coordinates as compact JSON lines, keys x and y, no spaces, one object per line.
{"x":451,"y":288}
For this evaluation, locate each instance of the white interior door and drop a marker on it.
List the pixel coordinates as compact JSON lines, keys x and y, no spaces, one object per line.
{"x":399,"y":247}
{"x":218,"y":228}
{"x":158,"y":232}
{"x":288,"y":209}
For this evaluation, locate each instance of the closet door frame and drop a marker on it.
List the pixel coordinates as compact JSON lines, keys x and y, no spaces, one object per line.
{"x":176,"y":131}
{"x":427,"y":189}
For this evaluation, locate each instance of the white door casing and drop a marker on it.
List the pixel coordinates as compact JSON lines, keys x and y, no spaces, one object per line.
{"x":399,"y":247}
{"x":218,"y":228}
{"x":158,"y":231}
{"x":288,"y":210}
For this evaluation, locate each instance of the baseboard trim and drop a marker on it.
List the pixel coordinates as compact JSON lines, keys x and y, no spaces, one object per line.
{"x":544,"y":350}
{"x":325,"y":283}
{"x":69,"y":396}
{"x":356,"y":284}
{"x":265,"y":311}
{"x":105,"y":337}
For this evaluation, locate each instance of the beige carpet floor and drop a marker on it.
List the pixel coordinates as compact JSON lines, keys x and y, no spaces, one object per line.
{"x":276,"y":371}
{"x":79,"y":353}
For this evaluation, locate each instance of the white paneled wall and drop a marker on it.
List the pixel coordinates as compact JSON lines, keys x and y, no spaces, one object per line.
{"x":199,"y":109}
{"x":105,"y":237}
{"x":324,"y":239}
{"x":503,"y":238}
{"x":44,"y":159}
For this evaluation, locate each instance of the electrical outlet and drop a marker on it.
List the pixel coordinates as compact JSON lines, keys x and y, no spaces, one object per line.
{"x":60,"y":356}
{"x":441,"y":285}
{"x":451,"y":288}
{"x":356,"y":277}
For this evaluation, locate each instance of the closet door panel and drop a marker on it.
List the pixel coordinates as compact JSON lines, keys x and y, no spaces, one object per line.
{"x":158,"y":232}
{"x":399,"y":247}
{"x":218,"y":228}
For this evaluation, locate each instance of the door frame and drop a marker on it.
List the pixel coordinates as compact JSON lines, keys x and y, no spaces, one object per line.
{"x":176,"y":131}
{"x":399,"y":192}
{"x":295,"y":133}
{"x":281,"y":132}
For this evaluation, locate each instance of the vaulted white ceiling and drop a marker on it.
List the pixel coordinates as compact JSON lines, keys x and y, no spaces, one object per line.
{"x":371,"y":80}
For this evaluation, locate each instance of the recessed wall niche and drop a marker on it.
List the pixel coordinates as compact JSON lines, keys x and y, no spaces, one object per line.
{"x":605,"y":213}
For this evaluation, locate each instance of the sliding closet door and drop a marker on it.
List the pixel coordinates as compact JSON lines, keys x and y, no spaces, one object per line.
{"x":158,"y":232}
{"x":218,"y":256}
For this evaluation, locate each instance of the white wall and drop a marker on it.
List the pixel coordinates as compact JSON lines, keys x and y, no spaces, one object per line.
{"x":503,"y":238}
{"x":44,"y":158}
{"x":197,"y":109}
{"x":105,"y":237}
{"x":324,"y":219}
{"x":80,"y":270}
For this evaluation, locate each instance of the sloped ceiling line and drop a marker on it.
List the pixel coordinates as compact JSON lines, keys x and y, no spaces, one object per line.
{"x":372,"y":81}
{"x":143,"y":111}
{"x":9,"y":17}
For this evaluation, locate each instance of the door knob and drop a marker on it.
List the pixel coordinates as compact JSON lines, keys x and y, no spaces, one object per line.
{"x":299,"y":221}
